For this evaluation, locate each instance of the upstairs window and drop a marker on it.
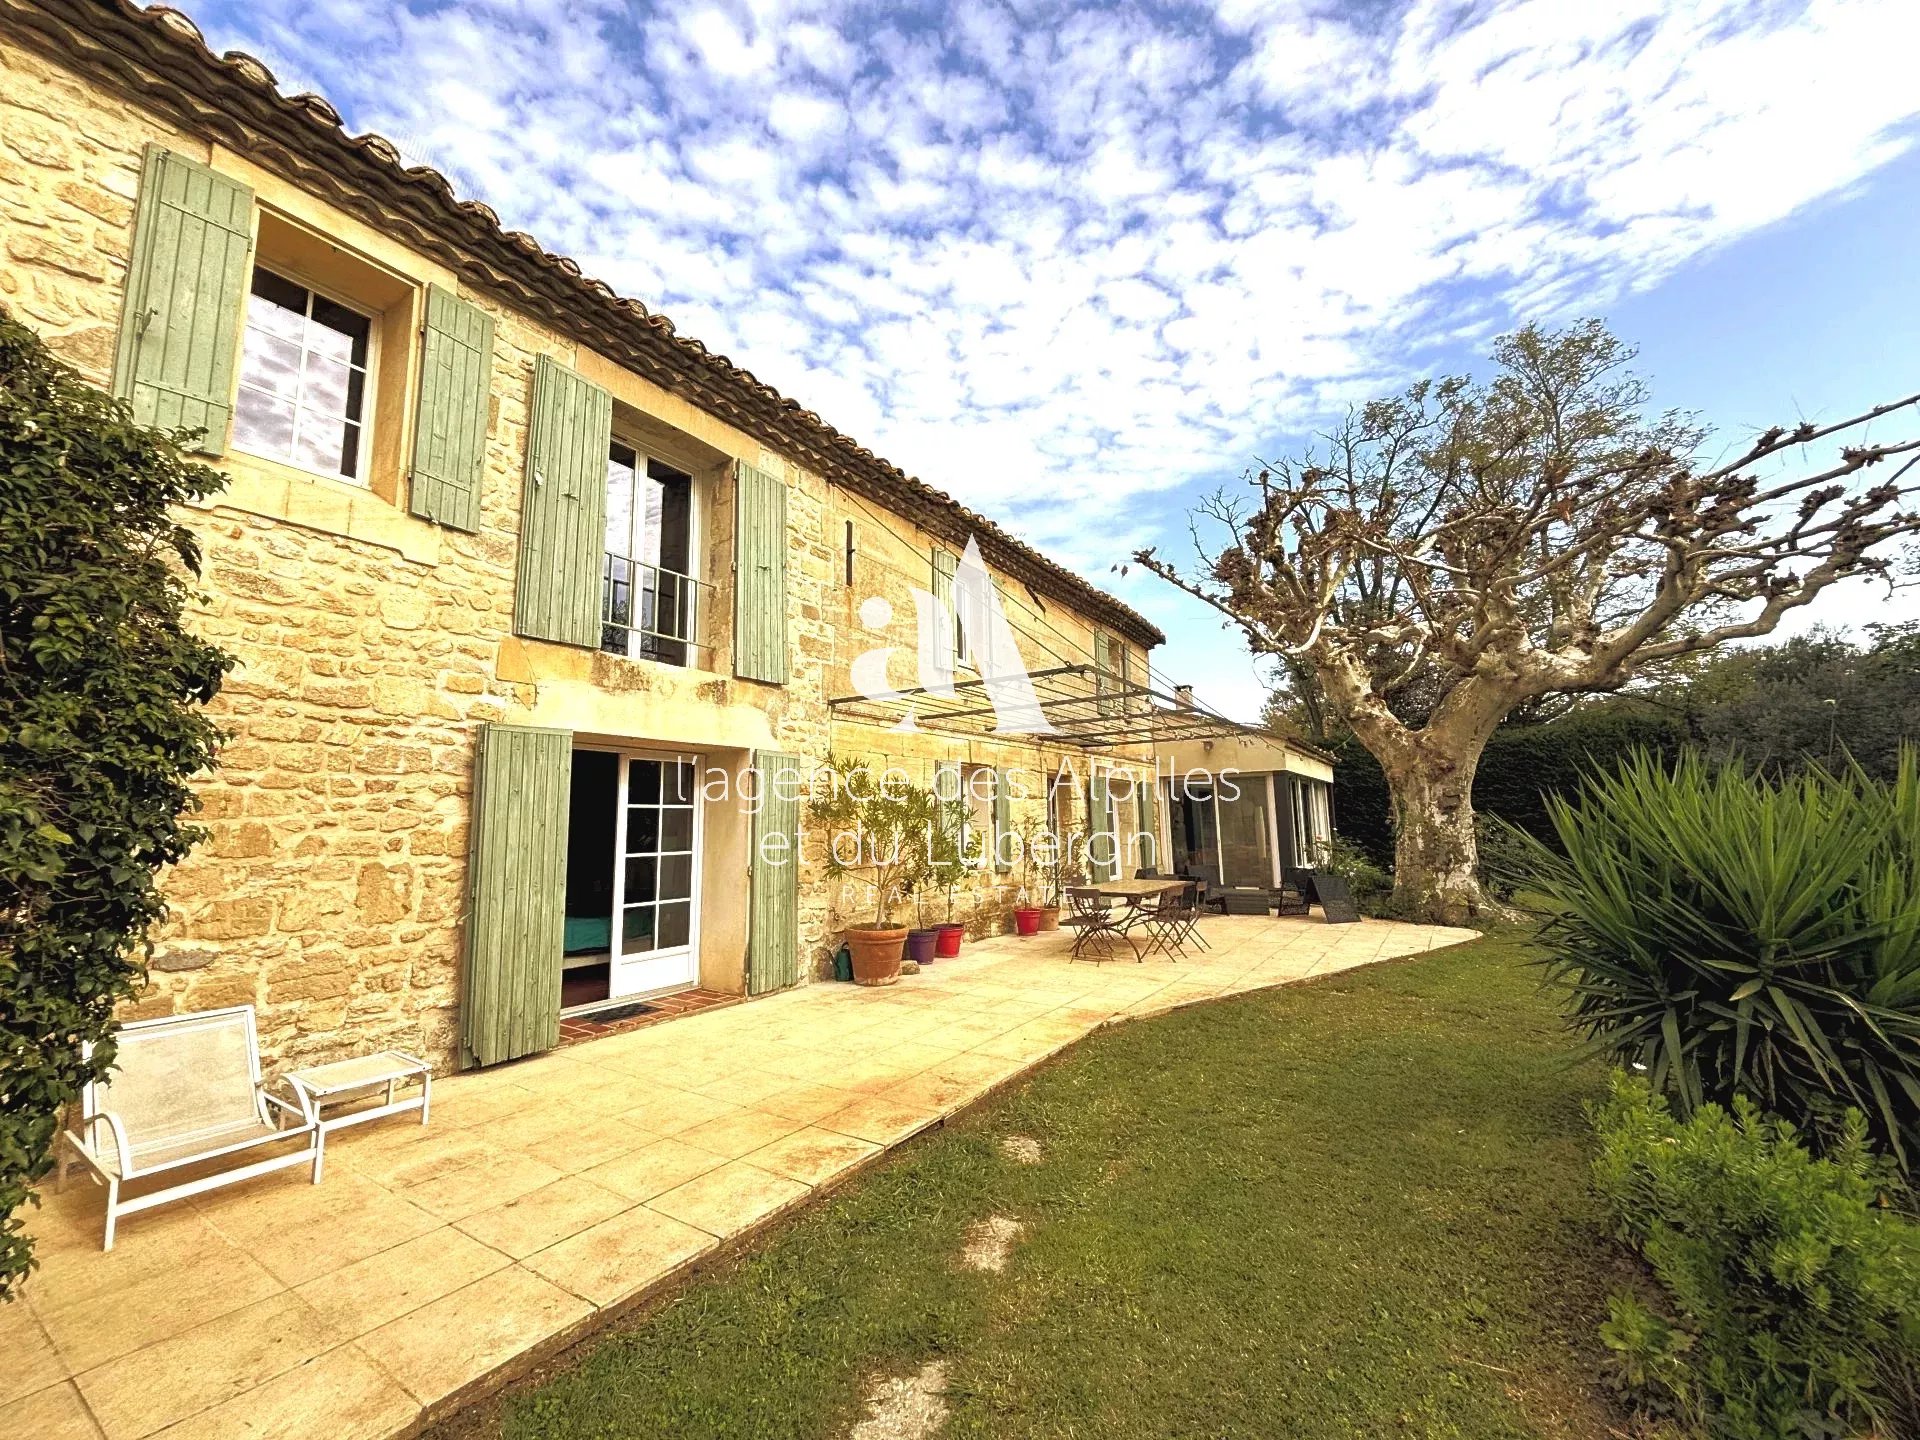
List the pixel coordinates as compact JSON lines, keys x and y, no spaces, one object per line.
{"x":305,"y":367}
{"x":650,"y":597}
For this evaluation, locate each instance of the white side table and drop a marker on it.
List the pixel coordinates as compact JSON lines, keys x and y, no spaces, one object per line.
{"x":345,"y":1081}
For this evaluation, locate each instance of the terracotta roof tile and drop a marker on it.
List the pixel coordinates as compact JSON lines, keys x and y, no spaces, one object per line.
{"x":159,"y":57}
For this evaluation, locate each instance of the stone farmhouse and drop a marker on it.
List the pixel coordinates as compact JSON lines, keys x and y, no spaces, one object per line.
{"x":529,"y":591}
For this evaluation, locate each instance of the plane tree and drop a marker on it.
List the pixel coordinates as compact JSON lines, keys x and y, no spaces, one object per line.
{"x":1485,"y":545}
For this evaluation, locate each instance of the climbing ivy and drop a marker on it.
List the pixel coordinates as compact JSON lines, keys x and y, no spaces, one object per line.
{"x":102,"y":724}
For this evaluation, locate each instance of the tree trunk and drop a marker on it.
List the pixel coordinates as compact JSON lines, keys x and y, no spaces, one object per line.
{"x":1429,"y":775}
{"x":1435,"y":859}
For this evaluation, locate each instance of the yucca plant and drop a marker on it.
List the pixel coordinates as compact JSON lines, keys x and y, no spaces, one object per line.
{"x":1740,"y":937}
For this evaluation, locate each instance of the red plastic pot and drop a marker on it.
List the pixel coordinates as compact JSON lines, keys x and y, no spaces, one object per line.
{"x":949,"y":942}
{"x":1026,"y":920}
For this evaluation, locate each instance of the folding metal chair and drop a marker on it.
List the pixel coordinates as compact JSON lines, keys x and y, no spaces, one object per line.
{"x":1093,"y":924}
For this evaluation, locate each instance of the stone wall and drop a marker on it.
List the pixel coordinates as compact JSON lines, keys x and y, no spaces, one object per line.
{"x":372,"y":646}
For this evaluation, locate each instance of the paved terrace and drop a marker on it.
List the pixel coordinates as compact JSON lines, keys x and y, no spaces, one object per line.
{"x":432,"y":1265}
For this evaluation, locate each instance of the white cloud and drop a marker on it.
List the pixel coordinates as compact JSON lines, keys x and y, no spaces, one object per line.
{"x":1062,"y":260}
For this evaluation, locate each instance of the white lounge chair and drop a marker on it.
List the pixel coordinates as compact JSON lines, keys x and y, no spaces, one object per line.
{"x":185,"y":1090}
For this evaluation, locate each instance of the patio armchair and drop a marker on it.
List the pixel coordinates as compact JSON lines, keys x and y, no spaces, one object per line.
{"x":185,"y":1090}
{"x":1093,"y":924}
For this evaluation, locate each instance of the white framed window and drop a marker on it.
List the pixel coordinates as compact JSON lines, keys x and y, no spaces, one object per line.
{"x":306,"y":368}
{"x":650,"y":588}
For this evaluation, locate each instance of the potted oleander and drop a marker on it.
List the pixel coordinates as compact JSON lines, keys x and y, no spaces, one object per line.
{"x":1039,"y":907}
{"x":1061,"y":868}
{"x":947,"y":867}
{"x":877,"y":829}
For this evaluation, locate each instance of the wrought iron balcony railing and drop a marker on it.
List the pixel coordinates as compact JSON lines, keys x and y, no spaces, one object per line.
{"x":648,"y":613}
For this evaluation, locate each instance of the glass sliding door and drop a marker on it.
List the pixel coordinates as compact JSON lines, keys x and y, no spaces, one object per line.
{"x":1246,"y":853}
{"x":1195,"y":831}
{"x":656,"y":877}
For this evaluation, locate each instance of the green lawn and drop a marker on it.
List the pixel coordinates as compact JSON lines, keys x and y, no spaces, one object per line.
{"x":1354,"y":1207}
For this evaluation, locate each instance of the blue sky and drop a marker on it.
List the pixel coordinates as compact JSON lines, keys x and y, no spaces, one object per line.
{"x":1076,"y":264}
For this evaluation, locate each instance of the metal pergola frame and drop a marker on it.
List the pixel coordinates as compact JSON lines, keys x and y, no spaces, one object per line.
{"x":1088,"y":708}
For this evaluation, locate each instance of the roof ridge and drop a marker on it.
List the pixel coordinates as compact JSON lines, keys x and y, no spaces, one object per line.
{"x":621,"y":324}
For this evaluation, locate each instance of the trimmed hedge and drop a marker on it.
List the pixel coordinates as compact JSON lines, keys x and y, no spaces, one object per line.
{"x":1523,"y":765}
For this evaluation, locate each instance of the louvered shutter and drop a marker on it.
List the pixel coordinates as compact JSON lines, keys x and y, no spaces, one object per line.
{"x":516,"y":893}
{"x":946,"y":780}
{"x":1002,"y":819}
{"x":563,"y":517}
{"x":760,"y":577}
{"x":946,"y":565}
{"x":450,"y":425}
{"x":186,"y":289}
{"x":773,"y":902}
{"x":1103,"y":676}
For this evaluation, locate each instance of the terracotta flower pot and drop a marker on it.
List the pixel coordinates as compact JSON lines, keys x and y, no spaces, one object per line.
{"x":1026,"y":920}
{"x":950,"y":938}
{"x":876,"y":954}
{"x":920,"y":945}
{"x":1049,"y":917}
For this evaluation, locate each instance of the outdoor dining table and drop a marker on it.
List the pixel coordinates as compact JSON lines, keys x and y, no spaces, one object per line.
{"x":1136,"y":894}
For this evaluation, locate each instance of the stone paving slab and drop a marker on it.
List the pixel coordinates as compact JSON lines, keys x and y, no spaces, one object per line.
{"x":549,"y":1195}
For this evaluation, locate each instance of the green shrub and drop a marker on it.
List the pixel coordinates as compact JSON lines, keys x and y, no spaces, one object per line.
{"x":1795,"y":1291}
{"x":1525,"y":766}
{"x":101,"y":725}
{"x":1369,"y":884}
{"x":1737,"y":936}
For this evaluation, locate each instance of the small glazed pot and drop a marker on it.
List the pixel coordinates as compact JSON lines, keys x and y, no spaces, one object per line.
{"x":921,"y":945}
{"x":950,"y":938}
{"x":876,"y":954}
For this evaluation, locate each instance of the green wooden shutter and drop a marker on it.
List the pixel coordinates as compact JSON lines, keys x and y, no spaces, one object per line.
{"x":450,"y":427}
{"x":946,"y":565}
{"x":563,"y":518}
{"x":516,"y":893}
{"x":187,"y":285}
{"x":1100,"y":823}
{"x":773,"y":902}
{"x":1149,"y":821}
{"x":760,"y":577}
{"x":946,"y":780}
{"x":1002,"y":819}
{"x":1102,"y":674}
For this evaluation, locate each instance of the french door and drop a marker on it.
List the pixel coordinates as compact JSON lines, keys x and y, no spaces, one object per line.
{"x":1223,"y":838}
{"x":656,"y":875}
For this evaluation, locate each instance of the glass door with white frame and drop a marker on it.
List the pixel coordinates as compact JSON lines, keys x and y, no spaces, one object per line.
{"x":656,"y":877}
{"x":650,"y":598}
